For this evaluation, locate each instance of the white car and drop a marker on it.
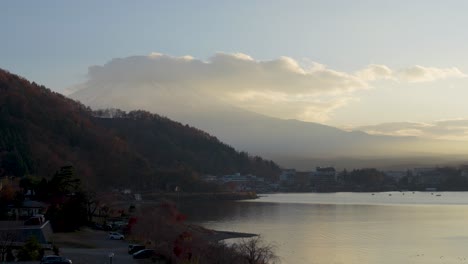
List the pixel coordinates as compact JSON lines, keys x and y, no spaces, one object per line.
{"x":115,"y":235}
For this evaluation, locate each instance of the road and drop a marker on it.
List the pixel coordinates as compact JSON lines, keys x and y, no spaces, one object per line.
{"x":98,"y":255}
{"x":92,"y":247}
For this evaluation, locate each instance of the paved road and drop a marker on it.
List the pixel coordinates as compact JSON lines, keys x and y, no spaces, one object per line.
{"x":99,"y":253}
{"x":93,"y":256}
{"x":98,"y":256}
{"x":90,"y":247}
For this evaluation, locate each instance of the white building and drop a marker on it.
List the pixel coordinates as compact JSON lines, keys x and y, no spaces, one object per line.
{"x":237,"y":177}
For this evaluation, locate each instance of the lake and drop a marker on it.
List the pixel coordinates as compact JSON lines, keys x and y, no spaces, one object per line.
{"x":391,"y":227}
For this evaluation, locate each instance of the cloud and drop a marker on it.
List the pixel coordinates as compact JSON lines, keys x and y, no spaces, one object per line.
{"x":452,"y":129}
{"x":229,"y":72}
{"x":287,"y":107}
{"x":280,"y":87}
{"x":413,"y":74}
{"x":375,"y":72}
{"x":427,"y":74}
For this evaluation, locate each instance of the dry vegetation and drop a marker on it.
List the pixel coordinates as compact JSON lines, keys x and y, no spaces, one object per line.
{"x":163,"y":229}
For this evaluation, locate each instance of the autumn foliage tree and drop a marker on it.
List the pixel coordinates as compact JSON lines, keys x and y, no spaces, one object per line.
{"x":159,"y":226}
{"x":41,"y":130}
{"x":163,"y":228}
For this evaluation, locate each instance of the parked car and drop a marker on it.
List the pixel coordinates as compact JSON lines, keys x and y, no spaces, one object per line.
{"x":144,"y":253}
{"x":115,"y":235}
{"x":96,"y":226}
{"x":134,"y":248}
{"x":54,"y":259}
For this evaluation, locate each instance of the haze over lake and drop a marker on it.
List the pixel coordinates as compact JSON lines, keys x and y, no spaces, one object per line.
{"x":394,"y":227}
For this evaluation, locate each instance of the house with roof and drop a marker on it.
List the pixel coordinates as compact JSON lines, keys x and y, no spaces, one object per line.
{"x":27,"y":209}
{"x":16,"y":233}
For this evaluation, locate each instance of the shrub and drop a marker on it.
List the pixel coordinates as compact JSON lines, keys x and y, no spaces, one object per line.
{"x":31,"y":250}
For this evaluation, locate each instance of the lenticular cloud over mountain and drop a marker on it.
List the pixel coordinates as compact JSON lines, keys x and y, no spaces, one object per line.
{"x":281,"y":87}
{"x":252,"y":104}
{"x":233,"y":79}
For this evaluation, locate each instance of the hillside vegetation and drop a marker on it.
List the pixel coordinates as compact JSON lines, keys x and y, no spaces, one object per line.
{"x":41,"y":130}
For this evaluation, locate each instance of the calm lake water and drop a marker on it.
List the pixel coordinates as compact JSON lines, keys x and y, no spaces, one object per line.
{"x":350,"y":228}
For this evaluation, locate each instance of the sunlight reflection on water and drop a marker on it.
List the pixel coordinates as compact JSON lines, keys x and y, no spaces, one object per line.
{"x":351,"y":227}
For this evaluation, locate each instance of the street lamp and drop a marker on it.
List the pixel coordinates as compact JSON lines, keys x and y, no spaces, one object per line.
{"x":177,"y":190}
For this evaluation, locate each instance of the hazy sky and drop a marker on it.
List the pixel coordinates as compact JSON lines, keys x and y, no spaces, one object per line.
{"x":344,"y":63}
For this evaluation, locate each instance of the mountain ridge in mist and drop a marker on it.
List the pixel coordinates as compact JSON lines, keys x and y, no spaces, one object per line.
{"x":285,"y":141}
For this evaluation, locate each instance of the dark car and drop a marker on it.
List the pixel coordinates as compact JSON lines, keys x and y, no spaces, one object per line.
{"x":134,"y":248}
{"x":53,"y":259}
{"x":107,"y":227}
{"x":96,"y":226}
{"x":144,"y":253}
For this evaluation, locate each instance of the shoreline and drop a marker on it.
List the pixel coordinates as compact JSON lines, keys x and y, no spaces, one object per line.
{"x":217,"y":235}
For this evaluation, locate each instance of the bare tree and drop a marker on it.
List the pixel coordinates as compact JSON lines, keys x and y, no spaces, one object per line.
{"x":7,"y":238}
{"x":92,"y":204}
{"x":163,"y":228}
{"x":256,"y":251}
{"x":219,"y":253}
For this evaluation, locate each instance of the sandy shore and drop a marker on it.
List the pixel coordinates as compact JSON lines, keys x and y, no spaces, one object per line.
{"x":217,"y":235}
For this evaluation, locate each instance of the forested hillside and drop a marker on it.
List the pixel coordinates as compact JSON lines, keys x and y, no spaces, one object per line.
{"x":174,"y":145}
{"x":41,"y":130}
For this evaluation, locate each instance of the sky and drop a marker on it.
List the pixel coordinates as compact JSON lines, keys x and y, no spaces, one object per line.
{"x":385,"y":67}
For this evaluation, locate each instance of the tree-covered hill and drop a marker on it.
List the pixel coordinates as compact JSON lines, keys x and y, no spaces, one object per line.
{"x":41,"y":130}
{"x":171,"y":144}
